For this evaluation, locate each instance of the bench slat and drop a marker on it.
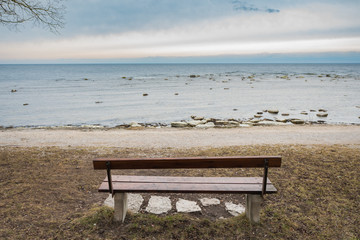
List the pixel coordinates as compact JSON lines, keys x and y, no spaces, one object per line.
{"x":164,"y":179}
{"x":188,"y":185}
{"x":188,"y":162}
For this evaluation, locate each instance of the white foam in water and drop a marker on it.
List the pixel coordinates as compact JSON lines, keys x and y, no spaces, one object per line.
{"x":113,"y":94}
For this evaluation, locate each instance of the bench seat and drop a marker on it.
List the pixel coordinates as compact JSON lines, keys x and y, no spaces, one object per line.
{"x":166,"y":184}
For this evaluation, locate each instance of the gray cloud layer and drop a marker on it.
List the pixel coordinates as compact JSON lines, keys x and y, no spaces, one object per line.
{"x":248,"y":7}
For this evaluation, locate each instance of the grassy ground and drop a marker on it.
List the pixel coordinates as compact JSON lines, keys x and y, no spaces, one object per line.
{"x":51,"y":193}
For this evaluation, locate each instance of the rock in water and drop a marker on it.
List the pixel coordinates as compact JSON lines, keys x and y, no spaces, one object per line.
{"x":322,"y":114}
{"x":273,"y":111}
{"x":221,"y":122}
{"x":197,"y":118}
{"x":194,"y":123}
{"x":297,"y":121}
{"x":281,"y":120}
{"x":179,"y":124}
{"x":206,"y":125}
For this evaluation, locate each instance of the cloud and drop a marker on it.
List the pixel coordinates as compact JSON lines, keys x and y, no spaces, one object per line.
{"x":244,"y":6}
{"x":302,"y":29}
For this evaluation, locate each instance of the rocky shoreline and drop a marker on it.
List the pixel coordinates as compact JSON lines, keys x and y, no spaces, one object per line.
{"x":272,"y":118}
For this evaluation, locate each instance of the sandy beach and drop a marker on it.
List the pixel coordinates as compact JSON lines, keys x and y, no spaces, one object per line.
{"x":182,"y":138}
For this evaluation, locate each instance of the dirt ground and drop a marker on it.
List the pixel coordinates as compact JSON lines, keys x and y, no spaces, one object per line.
{"x":51,"y":193}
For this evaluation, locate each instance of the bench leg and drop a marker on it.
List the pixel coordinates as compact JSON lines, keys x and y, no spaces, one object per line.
{"x":253,"y":203}
{"x":120,"y":206}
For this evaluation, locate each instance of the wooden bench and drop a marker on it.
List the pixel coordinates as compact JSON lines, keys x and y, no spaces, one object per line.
{"x":254,"y":187}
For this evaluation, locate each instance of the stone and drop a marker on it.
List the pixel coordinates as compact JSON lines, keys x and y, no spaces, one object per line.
{"x":312,"y":110}
{"x":109,"y":201}
{"x":244,"y":125}
{"x":285,"y":114}
{"x":233,"y":123}
{"x":176,"y":94}
{"x":304,"y":113}
{"x":297,"y":121}
{"x":259,"y":113}
{"x":234,"y":209}
{"x":257,"y":116}
{"x":134,"y":202}
{"x":273,"y":111}
{"x":92,"y":126}
{"x":254,"y":120}
{"x":194,"y":123}
{"x":186,"y":206}
{"x":179,"y":124}
{"x":135,"y":126}
{"x":322,"y":110}
{"x":206,"y":125}
{"x":269,"y":123}
{"x":158,"y":205}
{"x":13,"y":90}
{"x":145,"y":94}
{"x":221,"y":122}
{"x":281,"y":120}
{"x":197,"y":118}
{"x":322,"y":114}
{"x":209,"y":201}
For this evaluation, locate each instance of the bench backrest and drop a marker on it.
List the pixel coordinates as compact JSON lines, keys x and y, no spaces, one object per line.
{"x":188,"y":162}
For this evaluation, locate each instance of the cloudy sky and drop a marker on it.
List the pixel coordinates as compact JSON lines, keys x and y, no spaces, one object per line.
{"x":191,"y":31}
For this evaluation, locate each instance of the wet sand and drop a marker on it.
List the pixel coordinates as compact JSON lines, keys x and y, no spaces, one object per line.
{"x":182,"y":138}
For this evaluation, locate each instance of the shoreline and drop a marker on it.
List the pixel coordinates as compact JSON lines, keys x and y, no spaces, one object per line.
{"x":195,"y":122}
{"x":182,"y":137}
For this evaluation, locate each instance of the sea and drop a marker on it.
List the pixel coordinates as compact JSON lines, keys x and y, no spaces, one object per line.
{"x":33,"y":95}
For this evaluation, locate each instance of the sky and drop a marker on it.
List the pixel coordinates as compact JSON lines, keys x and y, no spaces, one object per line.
{"x":137,"y":31}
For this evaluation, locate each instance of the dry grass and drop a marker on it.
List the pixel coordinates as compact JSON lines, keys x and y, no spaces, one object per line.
{"x":51,"y":193}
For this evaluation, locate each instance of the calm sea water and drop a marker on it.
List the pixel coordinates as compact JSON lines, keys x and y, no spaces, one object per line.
{"x":112,"y":94}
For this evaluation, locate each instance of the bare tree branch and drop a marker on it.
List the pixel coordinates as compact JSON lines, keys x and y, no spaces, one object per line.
{"x":45,"y":13}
